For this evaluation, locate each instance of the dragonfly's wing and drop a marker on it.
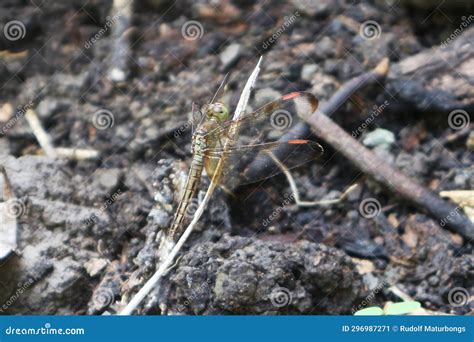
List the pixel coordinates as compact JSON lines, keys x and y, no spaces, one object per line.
{"x":268,"y":122}
{"x":237,"y":160}
{"x":250,"y":143}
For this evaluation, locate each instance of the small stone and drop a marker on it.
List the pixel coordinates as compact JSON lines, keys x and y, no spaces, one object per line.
{"x":308,"y":71}
{"x":313,"y":8}
{"x":355,"y":193}
{"x":230,"y":55}
{"x":95,"y":266}
{"x":266,"y":95}
{"x":108,"y":178}
{"x":48,"y":107}
{"x":6,"y":112}
{"x":470,"y":142}
{"x":379,"y":137}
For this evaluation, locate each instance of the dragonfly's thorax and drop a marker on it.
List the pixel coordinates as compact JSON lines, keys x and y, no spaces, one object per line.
{"x":201,"y":140}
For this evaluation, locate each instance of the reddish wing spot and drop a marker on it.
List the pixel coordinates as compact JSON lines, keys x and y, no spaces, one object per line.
{"x":298,"y":142}
{"x":291,"y":95}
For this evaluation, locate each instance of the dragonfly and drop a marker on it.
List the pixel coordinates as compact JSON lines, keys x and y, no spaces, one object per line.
{"x":238,"y":143}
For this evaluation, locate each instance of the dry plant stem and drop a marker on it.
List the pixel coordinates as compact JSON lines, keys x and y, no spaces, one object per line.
{"x":369,"y":163}
{"x":41,"y":135}
{"x":168,"y":262}
{"x":385,"y":174}
{"x":120,"y":49}
{"x":76,"y":153}
{"x":296,"y":193}
{"x":163,"y":269}
{"x":9,"y":223}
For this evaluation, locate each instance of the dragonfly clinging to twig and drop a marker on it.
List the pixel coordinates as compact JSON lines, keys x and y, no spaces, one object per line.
{"x":234,"y":142}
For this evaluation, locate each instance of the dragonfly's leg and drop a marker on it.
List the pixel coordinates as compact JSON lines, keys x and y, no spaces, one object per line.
{"x":173,"y":266}
{"x":296,"y":194}
{"x":227,"y":191}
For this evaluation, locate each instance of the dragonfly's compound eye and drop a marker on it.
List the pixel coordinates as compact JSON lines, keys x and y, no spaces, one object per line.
{"x":218,"y":111}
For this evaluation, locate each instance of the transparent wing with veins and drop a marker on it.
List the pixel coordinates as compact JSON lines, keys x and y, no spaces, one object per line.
{"x":250,"y":143}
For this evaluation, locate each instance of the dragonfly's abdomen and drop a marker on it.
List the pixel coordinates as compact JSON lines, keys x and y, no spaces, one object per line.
{"x":186,"y":207}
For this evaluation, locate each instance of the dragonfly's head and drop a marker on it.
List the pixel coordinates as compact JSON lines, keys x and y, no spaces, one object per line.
{"x":218,"y":112}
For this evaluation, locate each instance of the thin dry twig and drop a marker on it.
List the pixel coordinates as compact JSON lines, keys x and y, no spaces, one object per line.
{"x":76,"y":153}
{"x":296,"y":193}
{"x":41,"y":135}
{"x":8,"y":218}
{"x":121,"y":11}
